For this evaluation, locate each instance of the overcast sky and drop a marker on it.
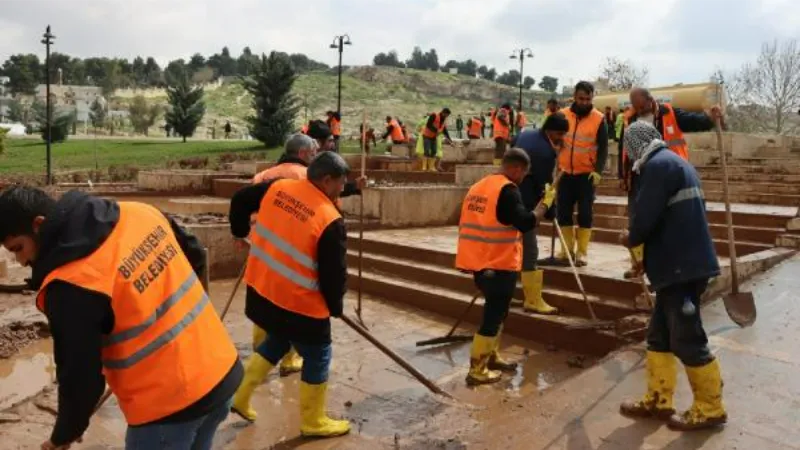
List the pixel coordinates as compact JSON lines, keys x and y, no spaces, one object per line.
{"x":679,"y":40}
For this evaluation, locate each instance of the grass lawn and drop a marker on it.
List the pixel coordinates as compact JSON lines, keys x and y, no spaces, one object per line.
{"x":24,"y":156}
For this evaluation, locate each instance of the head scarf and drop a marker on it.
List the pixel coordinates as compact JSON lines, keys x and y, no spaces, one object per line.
{"x":641,"y":140}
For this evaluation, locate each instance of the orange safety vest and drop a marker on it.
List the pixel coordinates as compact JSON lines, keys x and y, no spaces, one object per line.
{"x":521,"y":120}
{"x":397,"y":132}
{"x":483,"y":242}
{"x":500,"y":130}
{"x":579,"y":153}
{"x":292,"y":171}
{"x":304,"y":129}
{"x":168,"y":348}
{"x":474,"y":129}
{"x":335,"y":126}
{"x":671,"y":133}
{"x":282,"y":266}
{"x":438,"y":123}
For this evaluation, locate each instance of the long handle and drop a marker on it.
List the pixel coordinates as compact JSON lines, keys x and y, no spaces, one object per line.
{"x":361,"y":217}
{"x":728,"y":213}
{"x":575,"y":271}
{"x":395,"y":357}
{"x":645,"y":289}
{"x":463,"y":314}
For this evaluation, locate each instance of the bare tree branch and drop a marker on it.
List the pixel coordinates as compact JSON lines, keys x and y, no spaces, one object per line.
{"x":623,"y":75}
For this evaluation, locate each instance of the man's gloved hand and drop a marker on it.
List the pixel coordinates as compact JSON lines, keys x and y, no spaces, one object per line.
{"x":638,"y":253}
{"x":595,"y":178}
{"x":549,"y":195}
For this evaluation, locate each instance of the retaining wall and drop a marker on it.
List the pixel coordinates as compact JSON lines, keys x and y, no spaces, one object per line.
{"x":223,"y":259}
{"x":181,"y":181}
{"x":400,"y":206}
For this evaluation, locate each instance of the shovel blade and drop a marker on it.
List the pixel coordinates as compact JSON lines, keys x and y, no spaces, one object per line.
{"x":445,"y":340}
{"x":741,"y":308}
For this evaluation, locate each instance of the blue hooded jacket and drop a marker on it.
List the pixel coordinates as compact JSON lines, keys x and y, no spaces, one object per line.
{"x":669,"y":218}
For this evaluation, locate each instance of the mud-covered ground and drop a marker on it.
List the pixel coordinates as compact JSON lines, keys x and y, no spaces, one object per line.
{"x":387,"y":407}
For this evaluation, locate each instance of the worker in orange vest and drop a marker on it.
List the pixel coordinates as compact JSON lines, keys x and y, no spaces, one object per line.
{"x":334,"y":122}
{"x":501,"y":131}
{"x":436,"y":125}
{"x":296,"y":280}
{"x":581,"y":159}
{"x":120,"y":286}
{"x":490,"y":247}
{"x":394,"y":130}
{"x":475,"y":128}
{"x":671,"y":123}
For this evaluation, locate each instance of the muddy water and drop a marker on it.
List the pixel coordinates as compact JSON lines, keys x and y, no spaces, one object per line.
{"x":27,"y":373}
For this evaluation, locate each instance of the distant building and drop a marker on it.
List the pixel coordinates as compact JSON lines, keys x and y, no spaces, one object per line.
{"x":65,"y":97}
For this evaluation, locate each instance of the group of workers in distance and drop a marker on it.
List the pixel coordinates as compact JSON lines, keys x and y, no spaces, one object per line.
{"x":668,"y":231}
{"x":120,"y":282}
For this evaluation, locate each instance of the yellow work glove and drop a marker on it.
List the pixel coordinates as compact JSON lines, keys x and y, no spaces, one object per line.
{"x":638,"y":253}
{"x":595,"y":178}
{"x":549,"y":195}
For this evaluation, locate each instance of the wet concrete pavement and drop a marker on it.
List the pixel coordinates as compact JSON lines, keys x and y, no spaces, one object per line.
{"x":759,"y":367}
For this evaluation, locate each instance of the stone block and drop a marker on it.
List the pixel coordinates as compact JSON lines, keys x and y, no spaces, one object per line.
{"x":224,"y":259}
{"x":410,"y":206}
{"x":469,"y":174}
{"x":198,"y":205}
{"x":480,"y":155}
{"x":225,"y":188}
{"x":455,"y":153}
{"x":180,"y":181}
{"x":401,"y":150}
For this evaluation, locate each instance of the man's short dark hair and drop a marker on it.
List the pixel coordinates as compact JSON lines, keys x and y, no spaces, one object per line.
{"x":19,"y":205}
{"x":556,"y":122}
{"x":319,"y":130}
{"x":446,"y":111}
{"x":327,"y":164}
{"x":552,"y":101}
{"x":516,"y":157}
{"x":585,"y":86}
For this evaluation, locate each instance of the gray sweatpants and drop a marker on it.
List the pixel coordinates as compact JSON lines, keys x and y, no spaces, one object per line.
{"x":530,"y":251}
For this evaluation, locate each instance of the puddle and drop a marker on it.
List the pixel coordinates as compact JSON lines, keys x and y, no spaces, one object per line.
{"x":27,"y":373}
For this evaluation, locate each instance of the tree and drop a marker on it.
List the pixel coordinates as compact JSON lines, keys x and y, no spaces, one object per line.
{"x":431,"y":60}
{"x":153,"y":72}
{"x":510,"y":78}
{"x":3,"y":132}
{"x":25,"y":72}
{"x":223,"y":63}
{"x":60,"y":126}
{"x":548,"y":83}
{"x":417,"y":60}
{"x":247,"y":60}
{"x":468,"y":67}
{"x":203,"y":76}
{"x":772,"y":85}
{"x":528,"y":82}
{"x":142,"y":115}
{"x":176,"y":72}
{"x":623,"y":75}
{"x":274,"y":105}
{"x":196,"y":62}
{"x":16,"y":112}
{"x":387,"y":59}
{"x":97,"y":113}
{"x":186,"y":108}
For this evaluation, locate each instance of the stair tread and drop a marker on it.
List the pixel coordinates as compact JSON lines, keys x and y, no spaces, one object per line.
{"x":561,"y":319}
{"x":575,"y":295}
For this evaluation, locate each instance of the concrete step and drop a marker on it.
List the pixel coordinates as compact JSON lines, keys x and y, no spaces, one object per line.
{"x":751,"y":178}
{"x":736,"y":188}
{"x":788,"y":167}
{"x":408,"y":177}
{"x":744,"y":196}
{"x":611,"y":236}
{"x":553,"y":330}
{"x":565,"y":297}
{"x":557,"y":277}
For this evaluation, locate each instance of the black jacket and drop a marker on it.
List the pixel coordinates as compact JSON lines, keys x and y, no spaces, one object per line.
{"x":331,"y":270}
{"x":76,"y":227}
{"x":688,"y":122}
{"x":543,"y":161}
{"x":350,"y":188}
{"x":511,"y":211}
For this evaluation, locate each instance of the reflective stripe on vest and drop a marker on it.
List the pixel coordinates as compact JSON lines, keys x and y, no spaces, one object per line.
{"x":686,"y":194}
{"x":397,"y":131}
{"x":579,"y":153}
{"x":282,"y":265}
{"x":438,"y":123}
{"x":168,"y":348}
{"x":483,"y":242}
{"x":672,"y":133}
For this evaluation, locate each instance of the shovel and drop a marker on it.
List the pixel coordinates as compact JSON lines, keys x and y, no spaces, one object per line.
{"x":741,"y":306}
{"x":450,"y":338}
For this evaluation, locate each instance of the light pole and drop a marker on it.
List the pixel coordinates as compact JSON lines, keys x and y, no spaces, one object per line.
{"x":338,"y":43}
{"x":48,"y":41}
{"x":521,"y":53}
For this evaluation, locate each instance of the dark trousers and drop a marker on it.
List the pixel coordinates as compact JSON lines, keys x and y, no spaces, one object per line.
{"x":499,"y":148}
{"x":316,"y":357}
{"x":672,"y":331}
{"x":498,"y":288}
{"x":530,"y":251}
{"x":574,"y":189}
{"x":429,"y":147}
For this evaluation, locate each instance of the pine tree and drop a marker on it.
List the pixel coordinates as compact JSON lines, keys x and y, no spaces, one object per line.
{"x":275,"y":106}
{"x":186,"y":108}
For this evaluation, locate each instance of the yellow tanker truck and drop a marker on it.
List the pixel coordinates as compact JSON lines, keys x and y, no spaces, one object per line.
{"x":689,"y":97}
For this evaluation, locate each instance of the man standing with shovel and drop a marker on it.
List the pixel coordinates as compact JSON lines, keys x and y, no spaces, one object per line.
{"x":679,"y":258}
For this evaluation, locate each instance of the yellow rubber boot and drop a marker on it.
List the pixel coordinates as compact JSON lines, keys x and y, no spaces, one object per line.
{"x":291,"y":363}
{"x":432,"y":165}
{"x":707,"y":410}
{"x":497,"y":162}
{"x":662,"y":377}
{"x":423,"y":164}
{"x":584,"y":236}
{"x":638,"y":254}
{"x":255,"y":371}
{"x":569,"y":240}
{"x":532,"y":285}
{"x":496,"y":362}
{"x":259,"y":336}
{"x":315,"y":422}
{"x":479,"y":373}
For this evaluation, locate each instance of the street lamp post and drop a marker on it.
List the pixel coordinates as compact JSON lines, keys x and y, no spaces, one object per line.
{"x":521,"y":53}
{"x":48,"y":41}
{"x":338,"y":44}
